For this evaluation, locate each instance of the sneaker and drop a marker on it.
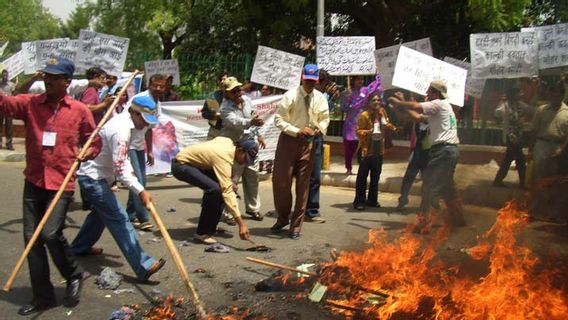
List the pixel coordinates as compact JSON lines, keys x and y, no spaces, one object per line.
{"x":314,"y":219}
{"x":146,"y":226}
{"x":204,"y":238}
{"x":135,"y":223}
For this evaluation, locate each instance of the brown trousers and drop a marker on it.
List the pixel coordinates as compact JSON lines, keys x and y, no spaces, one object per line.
{"x":293,"y":159}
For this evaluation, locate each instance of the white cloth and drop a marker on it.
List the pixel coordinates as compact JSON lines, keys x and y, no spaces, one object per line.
{"x":113,"y":160}
{"x":137,"y":142}
{"x":75,"y":89}
{"x":443,"y":125}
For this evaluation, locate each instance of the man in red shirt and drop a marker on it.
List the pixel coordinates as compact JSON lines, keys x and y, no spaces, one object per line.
{"x":55,"y":127}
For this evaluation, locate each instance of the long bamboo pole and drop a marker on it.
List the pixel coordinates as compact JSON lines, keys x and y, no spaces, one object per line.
{"x":68,"y":177}
{"x":179,"y":263}
{"x":280,"y":266}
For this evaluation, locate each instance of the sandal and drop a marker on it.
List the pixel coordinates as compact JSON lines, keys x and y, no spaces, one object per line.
{"x":92,"y":251}
{"x":255,"y":215}
{"x":146,"y":226}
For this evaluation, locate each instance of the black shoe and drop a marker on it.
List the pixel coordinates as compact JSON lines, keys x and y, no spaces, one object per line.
{"x":402,"y":202}
{"x":35,"y":307}
{"x":155,"y":267}
{"x":294,"y":235}
{"x":255,"y":215}
{"x":359,"y":207}
{"x":10,"y":148}
{"x":73,"y":291}
{"x":373,"y":205}
{"x":276,"y":228}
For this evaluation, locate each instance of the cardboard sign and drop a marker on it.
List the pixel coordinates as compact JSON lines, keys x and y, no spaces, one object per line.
{"x":55,"y":48}
{"x":473,"y":87}
{"x":165,"y":67}
{"x":552,"y":45}
{"x":277,"y":68}
{"x":503,"y":55}
{"x":414,"y":71}
{"x":385,"y":58}
{"x":101,"y":50}
{"x":14,"y":64}
{"x":30,"y":57}
{"x":346,"y":55}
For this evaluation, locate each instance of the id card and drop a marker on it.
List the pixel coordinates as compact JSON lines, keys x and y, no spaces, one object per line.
{"x":48,"y":139}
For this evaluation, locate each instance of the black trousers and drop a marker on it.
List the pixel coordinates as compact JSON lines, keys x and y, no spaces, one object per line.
{"x":36,"y":200}
{"x":212,"y":203}
{"x":514,"y":152}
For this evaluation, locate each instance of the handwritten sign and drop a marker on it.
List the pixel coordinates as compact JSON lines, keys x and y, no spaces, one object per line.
{"x":385,"y":58}
{"x":101,"y":50}
{"x":277,"y":68}
{"x":503,"y":55}
{"x":415,"y":70}
{"x":30,"y":57}
{"x":54,"y":48}
{"x":14,"y":64}
{"x":552,"y":45}
{"x":346,"y":55}
{"x":165,"y":67}
{"x":473,"y":87}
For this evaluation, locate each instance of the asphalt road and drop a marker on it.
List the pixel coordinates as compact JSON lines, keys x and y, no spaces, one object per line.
{"x":345,"y":229}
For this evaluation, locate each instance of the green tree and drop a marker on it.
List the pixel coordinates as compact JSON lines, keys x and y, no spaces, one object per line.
{"x":79,"y":19}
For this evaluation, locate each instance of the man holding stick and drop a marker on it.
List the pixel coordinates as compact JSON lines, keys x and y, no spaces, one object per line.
{"x":55,"y":126}
{"x":96,"y":177}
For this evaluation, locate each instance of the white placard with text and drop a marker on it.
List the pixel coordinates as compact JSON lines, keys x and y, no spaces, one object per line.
{"x":343,"y":56}
{"x":473,"y":87}
{"x":15,"y":64}
{"x":165,"y":67}
{"x":101,"y":50}
{"x":277,"y":68}
{"x":552,"y":45}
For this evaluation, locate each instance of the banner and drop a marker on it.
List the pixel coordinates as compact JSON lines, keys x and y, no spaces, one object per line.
{"x":277,"y":68}
{"x":15,"y":64}
{"x":503,"y":55}
{"x":182,"y":125}
{"x":414,"y":71}
{"x":552,"y":45}
{"x":343,"y":56}
{"x":101,"y":50}
{"x":385,"y":58}
{"x":473,"y":87}
{"x":30,"y":57}
{"x":165,"y":67}
{"x":54,"y":48}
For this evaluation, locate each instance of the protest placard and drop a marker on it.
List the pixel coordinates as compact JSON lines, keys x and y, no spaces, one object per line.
{"x":277,"y":68}
{"x":101,"y":50}
{"x":14,"y":64}
{"x":3,"y":46}
{"x":55,"y":48}
{"x":30,"y":57}
{"x":415,"y":70}
{"x":503,"y":55}
{"x":552,"y":45}
{"x":473,"y":87}
{"x":385,"y":58}
{"x":346,"y":55}
{"x":165,"y":67}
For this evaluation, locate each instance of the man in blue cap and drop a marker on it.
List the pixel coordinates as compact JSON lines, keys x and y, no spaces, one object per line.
{"x":208,"y":166}
{"x":55,"y":125}
{"x":96,"y":178}
{"x":302,"y":114}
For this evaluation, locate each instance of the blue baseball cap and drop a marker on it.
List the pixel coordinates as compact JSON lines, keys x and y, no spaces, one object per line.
{"x":311,"y":72}
{"x":251,"y":150}
{"x":147,"y":107}
{"x":59,"y":66}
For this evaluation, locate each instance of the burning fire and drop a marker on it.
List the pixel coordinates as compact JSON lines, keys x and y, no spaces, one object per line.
{"x":405,"y":278}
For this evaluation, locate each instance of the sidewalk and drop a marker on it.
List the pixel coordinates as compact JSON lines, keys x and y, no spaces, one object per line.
{"x":473,"y":180}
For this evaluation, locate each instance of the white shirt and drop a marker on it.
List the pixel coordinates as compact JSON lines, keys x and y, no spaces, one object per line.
{"x":75,"y":89}
{"x":138,"y":140}
{"x":113,"y":160}
{"x":442,"y":121}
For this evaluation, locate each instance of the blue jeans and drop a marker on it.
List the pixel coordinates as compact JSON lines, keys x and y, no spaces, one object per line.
{"x":417,"y":163}
{"x":134,"y":206}
{"x":312,"y":209}
{"x":108,"y":212}
{"x":438,"y":176}
{"x":373,"y":165}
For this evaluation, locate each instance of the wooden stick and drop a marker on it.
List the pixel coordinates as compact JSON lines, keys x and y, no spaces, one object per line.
{"x":348,"y":82}
{"x":280,"y":266}
{"x":68,"y":177}
{"x":179,"y":263}
{"x":341,"y":306}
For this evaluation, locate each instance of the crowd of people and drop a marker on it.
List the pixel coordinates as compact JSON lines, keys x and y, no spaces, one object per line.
{"x":57,"y":125}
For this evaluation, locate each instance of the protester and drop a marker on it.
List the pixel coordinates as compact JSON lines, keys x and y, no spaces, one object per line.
{"x":140,"y":152}
{"x":550,"y":134}
{"x":90,"y":96}
{"x":95,"y":179}
{"x":301,"y":115}
{"x":55,"y":126}
{"x":512,"y":112}
{"x":169,"y":93}
{"x":210,"y":110}
{"x":371,"y":127}
{"x":208,"y":166}
{"x":35,"y":84}
{"x":330,"y":92}
{"x":7,"y":87}
{"x":420,"y":151}
{"x":110,"y":87}
{"x":438,"y":177}
{"x":248,"y":89}
{"x":265,"y":91}
{"x":240,"y":124}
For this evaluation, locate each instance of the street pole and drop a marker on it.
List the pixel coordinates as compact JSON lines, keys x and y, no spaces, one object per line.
{"x":320,"y":17}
